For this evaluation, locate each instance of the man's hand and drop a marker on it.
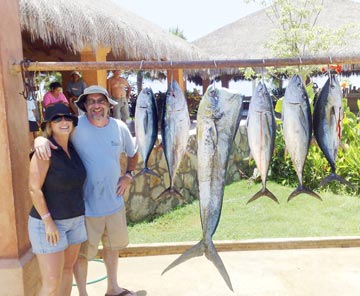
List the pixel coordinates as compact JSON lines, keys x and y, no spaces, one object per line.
{"x":43,"y":148}
{"x":123,"y":184}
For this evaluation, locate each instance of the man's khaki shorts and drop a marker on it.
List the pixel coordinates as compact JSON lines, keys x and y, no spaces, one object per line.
{"x":111,"y":230}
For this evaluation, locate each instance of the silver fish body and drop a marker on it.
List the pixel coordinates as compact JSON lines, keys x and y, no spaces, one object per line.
{"x":175,"y":129}
{"x":328,"y":117}
{"x":146,"y":125}
{"x":261,"y":130}
{"x":217,"y":122}
{"x":297,"y":126}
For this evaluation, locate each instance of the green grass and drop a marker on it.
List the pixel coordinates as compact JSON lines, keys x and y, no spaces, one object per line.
{"x":304,"y":216}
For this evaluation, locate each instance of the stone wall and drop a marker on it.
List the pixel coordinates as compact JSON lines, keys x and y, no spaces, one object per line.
{"x":142,"y":202}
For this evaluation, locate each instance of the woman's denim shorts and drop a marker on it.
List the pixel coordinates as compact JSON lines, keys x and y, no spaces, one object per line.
{"x":72,"y":231}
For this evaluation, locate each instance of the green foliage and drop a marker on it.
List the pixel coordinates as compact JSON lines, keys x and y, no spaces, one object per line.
{"x":193,"y":101}
{"x":177,"y":32}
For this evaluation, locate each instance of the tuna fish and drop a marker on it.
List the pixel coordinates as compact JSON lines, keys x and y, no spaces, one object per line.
{"x":328,"y":116}
{"x":297,"y":125}
{"x":146,"y":126}
{"x":175,"y":133}
{"x":261,"y":129}
{"x":217,"y":122}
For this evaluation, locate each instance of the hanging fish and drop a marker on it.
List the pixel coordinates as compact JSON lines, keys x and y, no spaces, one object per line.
{"x":261,"y":129}
{"x":175,"y":133}
{"x":328,"y":116}
{"x":218,"y":119}
{"x":146,"y":126}
{"x":297,"y":125}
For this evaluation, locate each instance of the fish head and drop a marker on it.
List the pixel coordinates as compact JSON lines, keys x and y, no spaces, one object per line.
{"x":145,"y":98}
{"x":175,"y":99}
{"x":295,"y":91}
{"x":335,"y":88}
{"x":261,"y":100}
{"x":219,"y":101}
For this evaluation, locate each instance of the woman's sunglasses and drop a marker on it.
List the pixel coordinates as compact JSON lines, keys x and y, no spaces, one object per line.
{"x":59,"y":118}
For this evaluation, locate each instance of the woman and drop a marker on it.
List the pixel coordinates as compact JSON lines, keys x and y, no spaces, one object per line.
{"x":55,"y":95}
{"x":56,"y":222}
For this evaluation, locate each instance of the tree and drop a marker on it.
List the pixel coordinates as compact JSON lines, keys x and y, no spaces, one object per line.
{"x":177,"y":32}
{"x":297,"y":33}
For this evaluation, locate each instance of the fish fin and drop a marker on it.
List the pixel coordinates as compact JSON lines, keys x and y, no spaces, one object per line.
{"x":171,"y":191}
{"x":302,"y":189}
{"x":145,"y":122}
{"x":195,"y":251}
{"x":146,"y":171}
{"x":263,"y":192}
{"x":213,"y":256}
{"x":336,"y":177}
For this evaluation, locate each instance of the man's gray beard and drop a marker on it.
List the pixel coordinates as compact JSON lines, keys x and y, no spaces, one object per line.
{"x":98,"y":117}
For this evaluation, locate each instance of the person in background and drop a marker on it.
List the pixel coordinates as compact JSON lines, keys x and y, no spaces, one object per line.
{"x":56,"y":222}
{"x":74,"y":89}
{"x":33,"y":118}
{"x":119,"y":90}
{"x":54,"y":95}
{"x":100,"y":140}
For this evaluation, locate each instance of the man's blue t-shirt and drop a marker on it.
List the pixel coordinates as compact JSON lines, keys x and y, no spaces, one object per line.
{"x":99,"y":149}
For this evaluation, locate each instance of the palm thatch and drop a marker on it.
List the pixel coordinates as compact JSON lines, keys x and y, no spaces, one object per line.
{"x":246,"y":38}
{"x":82,"y":23}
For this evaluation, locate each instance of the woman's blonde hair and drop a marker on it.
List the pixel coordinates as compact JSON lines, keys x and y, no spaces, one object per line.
{"x":47,"y":132}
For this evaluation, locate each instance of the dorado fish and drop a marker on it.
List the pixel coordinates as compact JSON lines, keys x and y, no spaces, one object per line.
{"x":328,"y":116}
{"x":217,"y":122}
{"x":297,"y":125}
{"x":261,"y":128}
{"x":175,"y":133}
{"x":146,"y":126}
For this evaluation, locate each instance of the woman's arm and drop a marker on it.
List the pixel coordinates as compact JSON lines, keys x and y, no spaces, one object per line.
{"x":37,"y":175}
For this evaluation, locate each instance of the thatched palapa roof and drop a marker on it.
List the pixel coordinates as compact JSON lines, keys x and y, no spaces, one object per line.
{"x":81,"y":23}
{"x":246,"y":38}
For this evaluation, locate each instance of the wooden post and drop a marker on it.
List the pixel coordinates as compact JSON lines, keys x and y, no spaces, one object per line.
{"x":225,"y":80}
{"x":19,"y":274}
{"x":205,"y":84}
{"x":178,"y":75}
{"x":97,"y":77}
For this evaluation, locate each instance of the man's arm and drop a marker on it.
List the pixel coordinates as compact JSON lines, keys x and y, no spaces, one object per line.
{"x":43,"y":148}
{"x":125,"y":180}
{"x":128,"y":89}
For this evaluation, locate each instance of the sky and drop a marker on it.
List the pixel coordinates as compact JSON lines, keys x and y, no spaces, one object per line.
{"x":195,"y":18}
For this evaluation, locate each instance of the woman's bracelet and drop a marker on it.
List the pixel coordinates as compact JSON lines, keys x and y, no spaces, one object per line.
{"x":45,"y":216}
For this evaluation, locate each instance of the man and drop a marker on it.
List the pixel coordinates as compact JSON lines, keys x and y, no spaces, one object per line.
{"x":119,"y":89}
{"x":74,"y":89}
{"x":99,"y":140}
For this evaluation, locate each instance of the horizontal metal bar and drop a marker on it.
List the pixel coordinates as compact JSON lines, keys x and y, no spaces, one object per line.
{"x":168,"y":65}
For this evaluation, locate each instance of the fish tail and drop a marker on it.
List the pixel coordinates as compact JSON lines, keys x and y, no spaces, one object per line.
{"x":195,"y":251}
{"x":210,"y":252}
{"x":171,"y":191}
{"x":263,"y":192}
{"x":213,"y":256}
{"x":302,"y":189}
{"x":335,"y":177}
{"x":148,"y":171}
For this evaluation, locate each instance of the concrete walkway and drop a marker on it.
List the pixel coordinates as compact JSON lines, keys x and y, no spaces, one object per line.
{"x":294,"y":272}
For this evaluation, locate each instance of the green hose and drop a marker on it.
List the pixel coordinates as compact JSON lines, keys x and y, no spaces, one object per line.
{"x":96,"y":280}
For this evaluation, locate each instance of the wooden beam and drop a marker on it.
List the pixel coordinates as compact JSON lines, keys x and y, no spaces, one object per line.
{"x":168,"y":65}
